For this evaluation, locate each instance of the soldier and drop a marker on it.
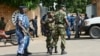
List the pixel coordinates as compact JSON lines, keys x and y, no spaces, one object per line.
{"x":49,"y":32}
{"x":60,"y":23}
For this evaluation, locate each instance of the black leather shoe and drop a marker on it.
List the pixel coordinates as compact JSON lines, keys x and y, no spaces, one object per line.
{"x":26,"y":52}
{"x":37,"y":36}
{"x":29,"y":53}
{"x":18,"y":54}
{"x":67,"y":38}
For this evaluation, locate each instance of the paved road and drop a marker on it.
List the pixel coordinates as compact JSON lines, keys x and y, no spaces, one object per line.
{"x":75,"y":47}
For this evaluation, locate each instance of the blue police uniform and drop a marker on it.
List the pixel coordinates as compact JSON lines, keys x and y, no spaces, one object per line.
{"x":68,"y":28}
{"x":23,"y":41}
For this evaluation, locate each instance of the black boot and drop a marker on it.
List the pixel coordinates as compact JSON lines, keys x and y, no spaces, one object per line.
{"x":63,"y":52}
{"x":56,"y":49}
{"x":18,"y":54}
{"x":68,"y":37}
{"x":48,"y":50}
{"x":26,"y":52}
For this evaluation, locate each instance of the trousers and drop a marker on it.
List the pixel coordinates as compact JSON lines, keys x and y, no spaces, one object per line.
{"x":23,"y":42}
{"x":60,"y":32}
{"x":68,"y":32}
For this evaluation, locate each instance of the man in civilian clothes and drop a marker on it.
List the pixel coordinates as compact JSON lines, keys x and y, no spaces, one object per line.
{"x":35,"y":26}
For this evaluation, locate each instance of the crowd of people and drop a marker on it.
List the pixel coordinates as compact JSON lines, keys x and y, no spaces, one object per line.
{"x":75,"y":22}
{"x":58,"y":23}
{"x":53,"y":24}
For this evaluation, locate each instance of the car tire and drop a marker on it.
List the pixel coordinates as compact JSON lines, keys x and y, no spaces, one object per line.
{"x":95,"y":32}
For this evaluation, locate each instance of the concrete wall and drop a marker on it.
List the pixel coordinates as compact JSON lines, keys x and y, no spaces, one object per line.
{"x":98,"y":7}
{"x":32,"y":13}
{"x":97,"y":2}
{"x":6,"y":12}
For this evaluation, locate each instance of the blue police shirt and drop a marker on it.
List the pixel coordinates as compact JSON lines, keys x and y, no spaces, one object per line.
{"x":24,"y":19}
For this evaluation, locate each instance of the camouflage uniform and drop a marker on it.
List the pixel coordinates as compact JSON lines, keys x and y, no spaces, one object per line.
{"x":49,"y":33}
{"x":60,"y":26}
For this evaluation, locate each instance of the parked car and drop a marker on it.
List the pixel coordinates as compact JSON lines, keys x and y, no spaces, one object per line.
{"x":92,"y":27}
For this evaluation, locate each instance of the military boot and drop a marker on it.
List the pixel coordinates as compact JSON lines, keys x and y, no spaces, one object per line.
{"x":56,"y":51}
{"x":50,"y":50}
{"x":63,"y":52}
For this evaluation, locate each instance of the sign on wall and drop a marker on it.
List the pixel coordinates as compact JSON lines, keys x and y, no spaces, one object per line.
{"x":14,"y":17}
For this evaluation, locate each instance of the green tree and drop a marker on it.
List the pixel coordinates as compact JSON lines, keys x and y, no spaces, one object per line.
{"x":71,"y":5}
{"x":77,"y":5}
{"x":31,"y":4}
{"x":48,"y":3}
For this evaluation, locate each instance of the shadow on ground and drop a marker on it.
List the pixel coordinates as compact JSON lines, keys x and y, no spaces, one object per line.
{"x":81,"y":38}
{"x":34,"y":54}
{"x":6,"y":45}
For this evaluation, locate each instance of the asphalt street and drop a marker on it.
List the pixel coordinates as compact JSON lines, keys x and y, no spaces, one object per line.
{"x":85,"y":46}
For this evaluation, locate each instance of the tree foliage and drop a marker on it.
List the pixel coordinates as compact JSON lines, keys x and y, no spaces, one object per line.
{"x":31,"y":4}
{"x":77,"y":5}
{"x":71,"y":5}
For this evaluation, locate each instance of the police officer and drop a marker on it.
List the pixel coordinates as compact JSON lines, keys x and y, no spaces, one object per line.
{"x":22,"y":25}
{"x":68,"y":28}
{"x":60,"y":23}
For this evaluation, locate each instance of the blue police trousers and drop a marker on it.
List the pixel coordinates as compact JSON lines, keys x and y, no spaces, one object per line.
{"x":23,"y":42}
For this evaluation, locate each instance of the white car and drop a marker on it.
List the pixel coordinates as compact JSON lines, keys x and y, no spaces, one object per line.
{"x":92,"y":27}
